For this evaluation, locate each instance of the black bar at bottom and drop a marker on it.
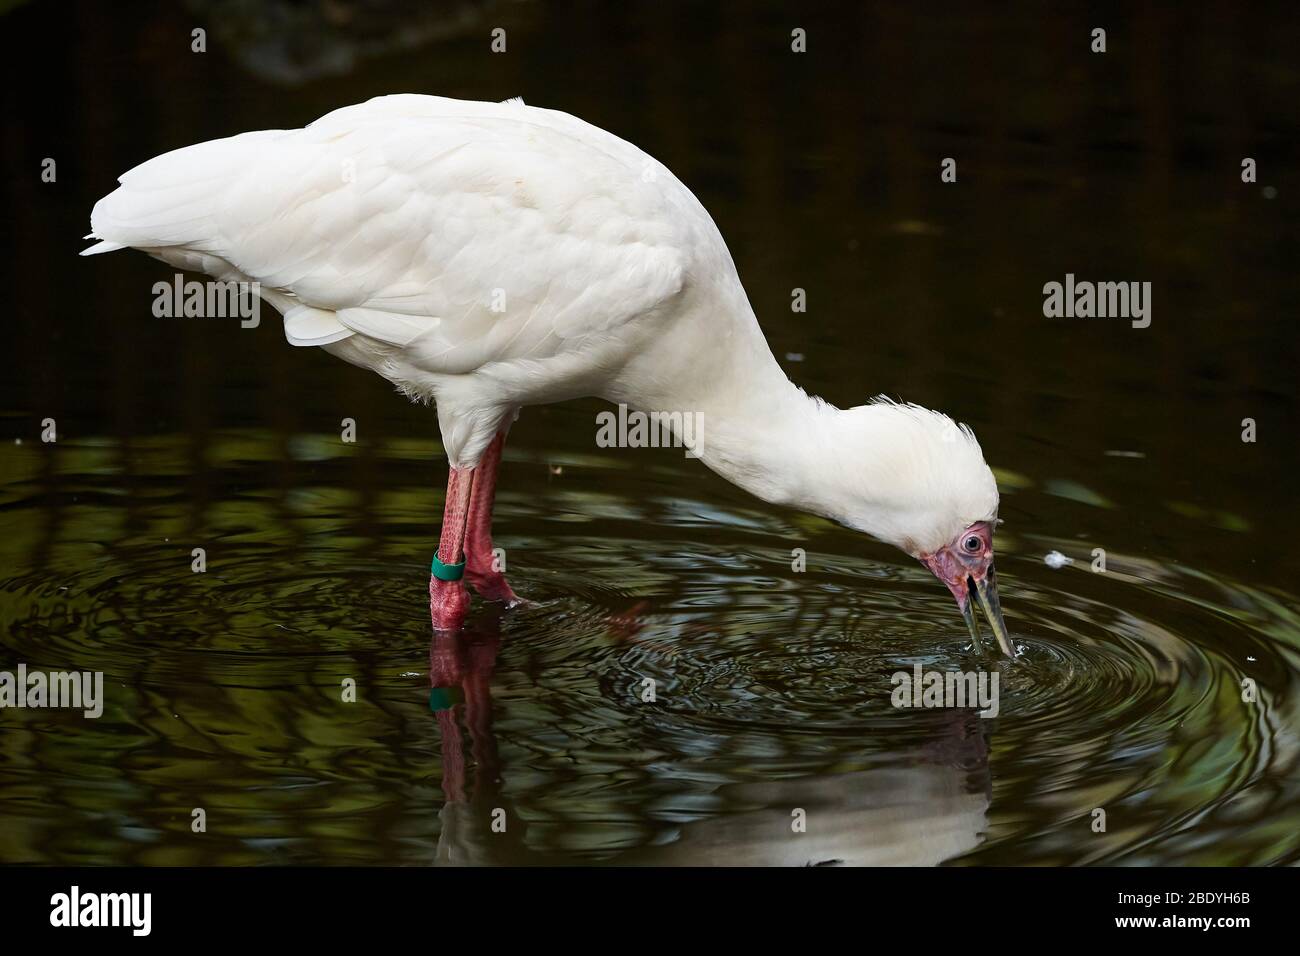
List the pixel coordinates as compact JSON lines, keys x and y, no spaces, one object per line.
{"x":327,"y":906}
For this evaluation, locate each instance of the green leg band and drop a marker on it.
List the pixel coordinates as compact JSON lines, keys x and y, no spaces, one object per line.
{"x":446,"y":572}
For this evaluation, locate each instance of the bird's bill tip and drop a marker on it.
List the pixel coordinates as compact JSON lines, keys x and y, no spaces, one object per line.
{"x":986,"y":592}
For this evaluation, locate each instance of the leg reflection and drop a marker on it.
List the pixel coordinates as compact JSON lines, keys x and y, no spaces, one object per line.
{"x":478,"y":827}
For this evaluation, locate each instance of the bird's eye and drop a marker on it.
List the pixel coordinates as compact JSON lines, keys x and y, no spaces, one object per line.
{"x":973,"y":544}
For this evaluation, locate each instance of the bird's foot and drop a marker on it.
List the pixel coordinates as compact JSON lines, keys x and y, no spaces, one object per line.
{"x":448,"y":604}
{"x":629,"y":623}
{"x":492,"y":586}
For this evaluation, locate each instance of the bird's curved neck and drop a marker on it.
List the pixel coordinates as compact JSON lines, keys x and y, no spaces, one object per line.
{"x":753,"y":426}
{"x":776,"y":442}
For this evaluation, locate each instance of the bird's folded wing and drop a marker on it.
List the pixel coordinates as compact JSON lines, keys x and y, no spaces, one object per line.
{"x":304,"y":325}
{"x":468,"y":232}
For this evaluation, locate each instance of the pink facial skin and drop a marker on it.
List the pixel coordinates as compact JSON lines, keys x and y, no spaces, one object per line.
{"x":969,"y":556}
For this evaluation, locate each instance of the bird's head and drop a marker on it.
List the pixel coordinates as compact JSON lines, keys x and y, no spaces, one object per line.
{"x":965,"y":564}
{"x":921,"y":484}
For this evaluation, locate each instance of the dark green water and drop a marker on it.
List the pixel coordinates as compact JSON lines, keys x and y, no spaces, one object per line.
{"x":773,"y":688}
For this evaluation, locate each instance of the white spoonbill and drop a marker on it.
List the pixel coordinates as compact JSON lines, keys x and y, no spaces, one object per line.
{"x":488,"y":256}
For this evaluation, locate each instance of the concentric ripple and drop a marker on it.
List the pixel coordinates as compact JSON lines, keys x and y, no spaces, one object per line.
{"x":672,"y":690}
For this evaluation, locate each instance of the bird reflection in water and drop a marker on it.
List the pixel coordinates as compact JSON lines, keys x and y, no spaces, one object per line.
{"x":461,"y":663}
{"x":920,"y":809}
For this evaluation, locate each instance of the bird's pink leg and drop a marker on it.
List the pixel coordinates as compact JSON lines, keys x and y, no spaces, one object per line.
{"x":448,"y":600}
{"x":481,"y":567}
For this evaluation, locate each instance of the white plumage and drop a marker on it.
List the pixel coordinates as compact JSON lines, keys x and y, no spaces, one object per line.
{"x":489,"y":256}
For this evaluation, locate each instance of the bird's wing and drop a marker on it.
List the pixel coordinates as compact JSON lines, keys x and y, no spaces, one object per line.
{"x":461,"y":232}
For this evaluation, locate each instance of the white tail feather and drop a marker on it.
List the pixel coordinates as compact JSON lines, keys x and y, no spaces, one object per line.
{"x":101,"y":247}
